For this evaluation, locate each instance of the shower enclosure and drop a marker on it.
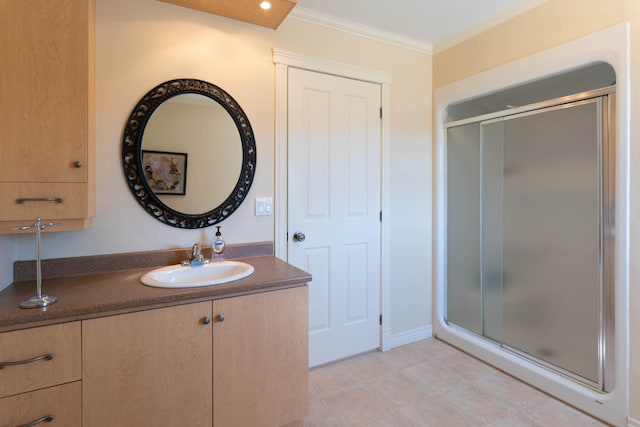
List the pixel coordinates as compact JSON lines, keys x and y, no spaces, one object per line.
{"x":529,"y":232}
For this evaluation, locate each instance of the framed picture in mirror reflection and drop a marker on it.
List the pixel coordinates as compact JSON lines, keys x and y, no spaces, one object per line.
{"x":165,"y":172}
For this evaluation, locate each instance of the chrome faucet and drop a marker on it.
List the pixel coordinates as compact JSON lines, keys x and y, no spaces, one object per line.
{"x":196,"y":257}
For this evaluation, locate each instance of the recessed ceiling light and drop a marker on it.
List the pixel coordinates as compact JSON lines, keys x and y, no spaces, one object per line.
{"x":265,"y":5}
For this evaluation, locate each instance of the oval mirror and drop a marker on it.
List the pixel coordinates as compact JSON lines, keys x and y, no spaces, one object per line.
{"x":188,"y":153}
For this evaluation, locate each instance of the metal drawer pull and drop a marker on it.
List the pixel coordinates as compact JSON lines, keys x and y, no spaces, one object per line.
{"x":24,"y":362}
{"x":46,"y":419}
{"x":38,"y":199}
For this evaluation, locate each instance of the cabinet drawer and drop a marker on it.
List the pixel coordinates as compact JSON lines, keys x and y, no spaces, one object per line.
{"x":62,"y":403}
{"x":62,"y":342}
{"x":74,"y":199}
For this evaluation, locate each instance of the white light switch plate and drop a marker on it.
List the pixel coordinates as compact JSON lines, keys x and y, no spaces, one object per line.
{"x":264,"y":206}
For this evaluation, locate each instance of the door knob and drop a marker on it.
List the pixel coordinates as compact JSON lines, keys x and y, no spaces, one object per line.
{"x":299,"y":237}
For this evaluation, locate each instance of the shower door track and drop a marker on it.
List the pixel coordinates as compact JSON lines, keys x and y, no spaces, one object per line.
{"x":532,"y":107}
{"x":530,"y":358}
{"x":550,"y":366}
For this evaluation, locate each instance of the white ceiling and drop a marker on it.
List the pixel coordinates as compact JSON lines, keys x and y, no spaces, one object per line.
{"x":422,"y":24}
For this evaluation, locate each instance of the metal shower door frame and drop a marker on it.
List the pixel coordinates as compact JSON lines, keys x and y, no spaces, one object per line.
{"x":605,"y":98}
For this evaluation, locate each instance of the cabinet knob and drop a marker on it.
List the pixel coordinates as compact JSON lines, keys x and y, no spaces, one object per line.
{"x":206,"y":320}
{"x":220,"y":317}
{"x":77,"y":164}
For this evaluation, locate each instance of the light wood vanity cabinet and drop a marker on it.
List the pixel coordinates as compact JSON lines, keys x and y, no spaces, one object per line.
{"x":260,"y":359}
{"x":240,"y":361}
{"x":41,"y":369}
{"x":47,"y":112}
{"x":148,"y":368}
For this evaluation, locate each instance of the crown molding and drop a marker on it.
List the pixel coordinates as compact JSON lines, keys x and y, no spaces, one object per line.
{"x":328,"y":21}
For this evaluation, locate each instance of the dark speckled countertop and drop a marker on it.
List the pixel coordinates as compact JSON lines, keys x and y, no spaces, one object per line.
{"x":116,"y":291}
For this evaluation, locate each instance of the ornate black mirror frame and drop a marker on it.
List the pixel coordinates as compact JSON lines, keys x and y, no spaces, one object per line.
{"x":132,"y":154}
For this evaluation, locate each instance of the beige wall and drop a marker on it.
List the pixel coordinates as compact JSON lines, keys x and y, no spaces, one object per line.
{"x":141,"y":43}
{"x":551,"y":24}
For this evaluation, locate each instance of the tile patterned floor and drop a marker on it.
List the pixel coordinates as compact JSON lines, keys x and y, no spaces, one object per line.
{"x":429,"y":383}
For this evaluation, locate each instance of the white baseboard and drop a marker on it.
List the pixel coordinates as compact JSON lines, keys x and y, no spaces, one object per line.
{"x":407,"y":337}
{"x":631,"y":422}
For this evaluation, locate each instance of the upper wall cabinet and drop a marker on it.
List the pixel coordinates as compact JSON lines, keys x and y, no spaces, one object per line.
{"x":243,"y":10}
{"x":47,"y":113}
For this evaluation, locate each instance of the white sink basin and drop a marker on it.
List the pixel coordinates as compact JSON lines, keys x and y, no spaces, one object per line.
{"x":215,"y":273}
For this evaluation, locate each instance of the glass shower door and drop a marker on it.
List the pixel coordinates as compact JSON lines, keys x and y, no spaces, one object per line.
{"x":551,"y":264}
{"x":464,"y":298}
{"x":525,"y":241}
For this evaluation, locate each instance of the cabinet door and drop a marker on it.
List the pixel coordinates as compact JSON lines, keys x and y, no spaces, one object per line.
{"x":261,"y":359}
{"x":46,"y":117}
{"x":150,"y":368}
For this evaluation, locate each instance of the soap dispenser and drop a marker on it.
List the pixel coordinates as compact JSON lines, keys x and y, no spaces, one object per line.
{"x":217,"y":246}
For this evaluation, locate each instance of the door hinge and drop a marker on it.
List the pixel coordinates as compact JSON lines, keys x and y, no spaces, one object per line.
{"x":380,"y":216}
{"x":381,"y":320}
{"x":380,"y":112}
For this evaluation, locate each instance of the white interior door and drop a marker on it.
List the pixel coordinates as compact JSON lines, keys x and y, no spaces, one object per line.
{"x":334,"y":206}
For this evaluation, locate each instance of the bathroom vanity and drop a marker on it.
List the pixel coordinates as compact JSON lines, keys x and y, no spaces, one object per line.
{"x":115,"y":352}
